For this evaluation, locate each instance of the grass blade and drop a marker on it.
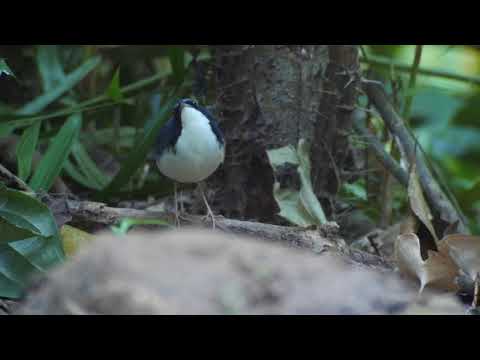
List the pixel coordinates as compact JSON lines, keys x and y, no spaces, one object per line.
{"x":137,"y":157}
{"x":72,"y":79}
{"x":88,"y":167}
{"x":52,"y":163}
{"x":25,"y":150}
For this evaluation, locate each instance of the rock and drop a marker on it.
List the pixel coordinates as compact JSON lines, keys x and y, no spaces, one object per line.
{"x":202,"y":272}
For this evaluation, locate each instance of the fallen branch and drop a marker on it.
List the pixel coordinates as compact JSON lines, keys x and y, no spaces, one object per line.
{"x":325,"y":238}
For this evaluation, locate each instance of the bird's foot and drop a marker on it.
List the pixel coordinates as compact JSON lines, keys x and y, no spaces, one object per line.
{"x":209,"y":216}
{"x":180,"y":216}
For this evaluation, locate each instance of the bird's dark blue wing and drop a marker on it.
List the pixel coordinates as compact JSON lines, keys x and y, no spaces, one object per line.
{"x":166,"y":138}
{"x":213,"y":123}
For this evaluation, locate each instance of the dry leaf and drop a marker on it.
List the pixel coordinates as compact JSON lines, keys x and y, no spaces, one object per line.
{"x":438,"y":271}
{"x":418,"y":204}
{"x":409,"y":224}
{"x":73,"y":239}
{"x":465,"y":252}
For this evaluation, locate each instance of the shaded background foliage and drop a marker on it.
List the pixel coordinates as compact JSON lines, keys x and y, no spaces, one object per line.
{"x":113,"y":117}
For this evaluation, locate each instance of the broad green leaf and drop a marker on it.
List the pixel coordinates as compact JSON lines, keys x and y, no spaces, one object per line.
{"x":14,"y":266}
{"x":54,"y":159}
{"x":11,"y":230}
{"x":137,"y":158}
{"x":5,"y":69}
{"x":114,"y":90}
{"x":33,"y":215}
{"x":300,"y":207}
{"x":39,"y":251}
{"x":10,"y":289}
{"x":30,"y":242}
{"x":26,"y":149}
{"x":72,"y":79}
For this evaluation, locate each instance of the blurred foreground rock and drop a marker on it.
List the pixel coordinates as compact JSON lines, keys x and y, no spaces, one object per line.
{"x":200,"y":272}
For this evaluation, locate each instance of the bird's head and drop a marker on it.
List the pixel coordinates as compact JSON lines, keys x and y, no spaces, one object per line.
{"x":187,"y":110}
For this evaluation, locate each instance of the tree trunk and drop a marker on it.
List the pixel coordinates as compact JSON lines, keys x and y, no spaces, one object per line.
{"x":270,"y":96}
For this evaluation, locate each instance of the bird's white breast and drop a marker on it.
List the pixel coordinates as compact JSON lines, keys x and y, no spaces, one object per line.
{"x":198,"y":152}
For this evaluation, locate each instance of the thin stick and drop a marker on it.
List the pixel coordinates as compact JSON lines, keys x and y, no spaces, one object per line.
{"x":387,"y":161}
{"x":19,"y":182}
{"x":437,"y":198}
{"x":476,"y":291}
{"x":385,"y":62}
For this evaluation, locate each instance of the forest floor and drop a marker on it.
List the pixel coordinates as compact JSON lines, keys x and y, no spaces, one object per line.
{"x":198,"y":271}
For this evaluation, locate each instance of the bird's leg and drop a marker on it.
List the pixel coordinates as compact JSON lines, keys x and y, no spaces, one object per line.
{"x":177,"y":217}
{"x":182,"y":207}
{"x":209,"y":210}
{"x":475,"y":302}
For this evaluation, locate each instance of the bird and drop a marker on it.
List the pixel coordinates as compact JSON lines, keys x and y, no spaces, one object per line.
{"x":189,"y":148}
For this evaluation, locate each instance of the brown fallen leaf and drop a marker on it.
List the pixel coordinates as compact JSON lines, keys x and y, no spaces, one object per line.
{"x":438,"y":271}
{"x":418,"y":204}
{"x":465,"y":252}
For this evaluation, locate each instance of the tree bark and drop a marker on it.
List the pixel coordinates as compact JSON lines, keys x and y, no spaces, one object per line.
{"x":270,"y":96}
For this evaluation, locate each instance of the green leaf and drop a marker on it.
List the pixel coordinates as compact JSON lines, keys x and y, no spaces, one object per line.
{"x":15,"y":267}
{"x":54,"y":159}
{"x":18,"y":121}
{"x":50,"y":67}
{"x":23,"y":120}
{"x":136,"y":159}
{"x":300,"y":207}
{"x":88,"y":167}
{"x":357,"y":189}
{"x":26,"y":213}
{"x":6,"y":130}
{"x":76,"y":175}
{"x":126,"y":224}
{"x":30,"y":242}
{"x":72,"y":79}
{"x":114,"y":90}
{"x":10,"y":289}
{"x":123,"y":137}
{"x":177,"y":60}
{"x":5,"y":69}
{"x":26,"y":149}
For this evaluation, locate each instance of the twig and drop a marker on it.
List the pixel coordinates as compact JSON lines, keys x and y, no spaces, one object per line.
{"x":437,"y":199}
{"x":412,"y":82}
{"x":19,"y":182}
{"x":309,"y":239}
{"x":385,"y":62}
{"x":387,"y":161}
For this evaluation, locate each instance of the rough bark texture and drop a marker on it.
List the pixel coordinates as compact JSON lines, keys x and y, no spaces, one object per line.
{"x":331,"y":150}
{"x":270,"y":96}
